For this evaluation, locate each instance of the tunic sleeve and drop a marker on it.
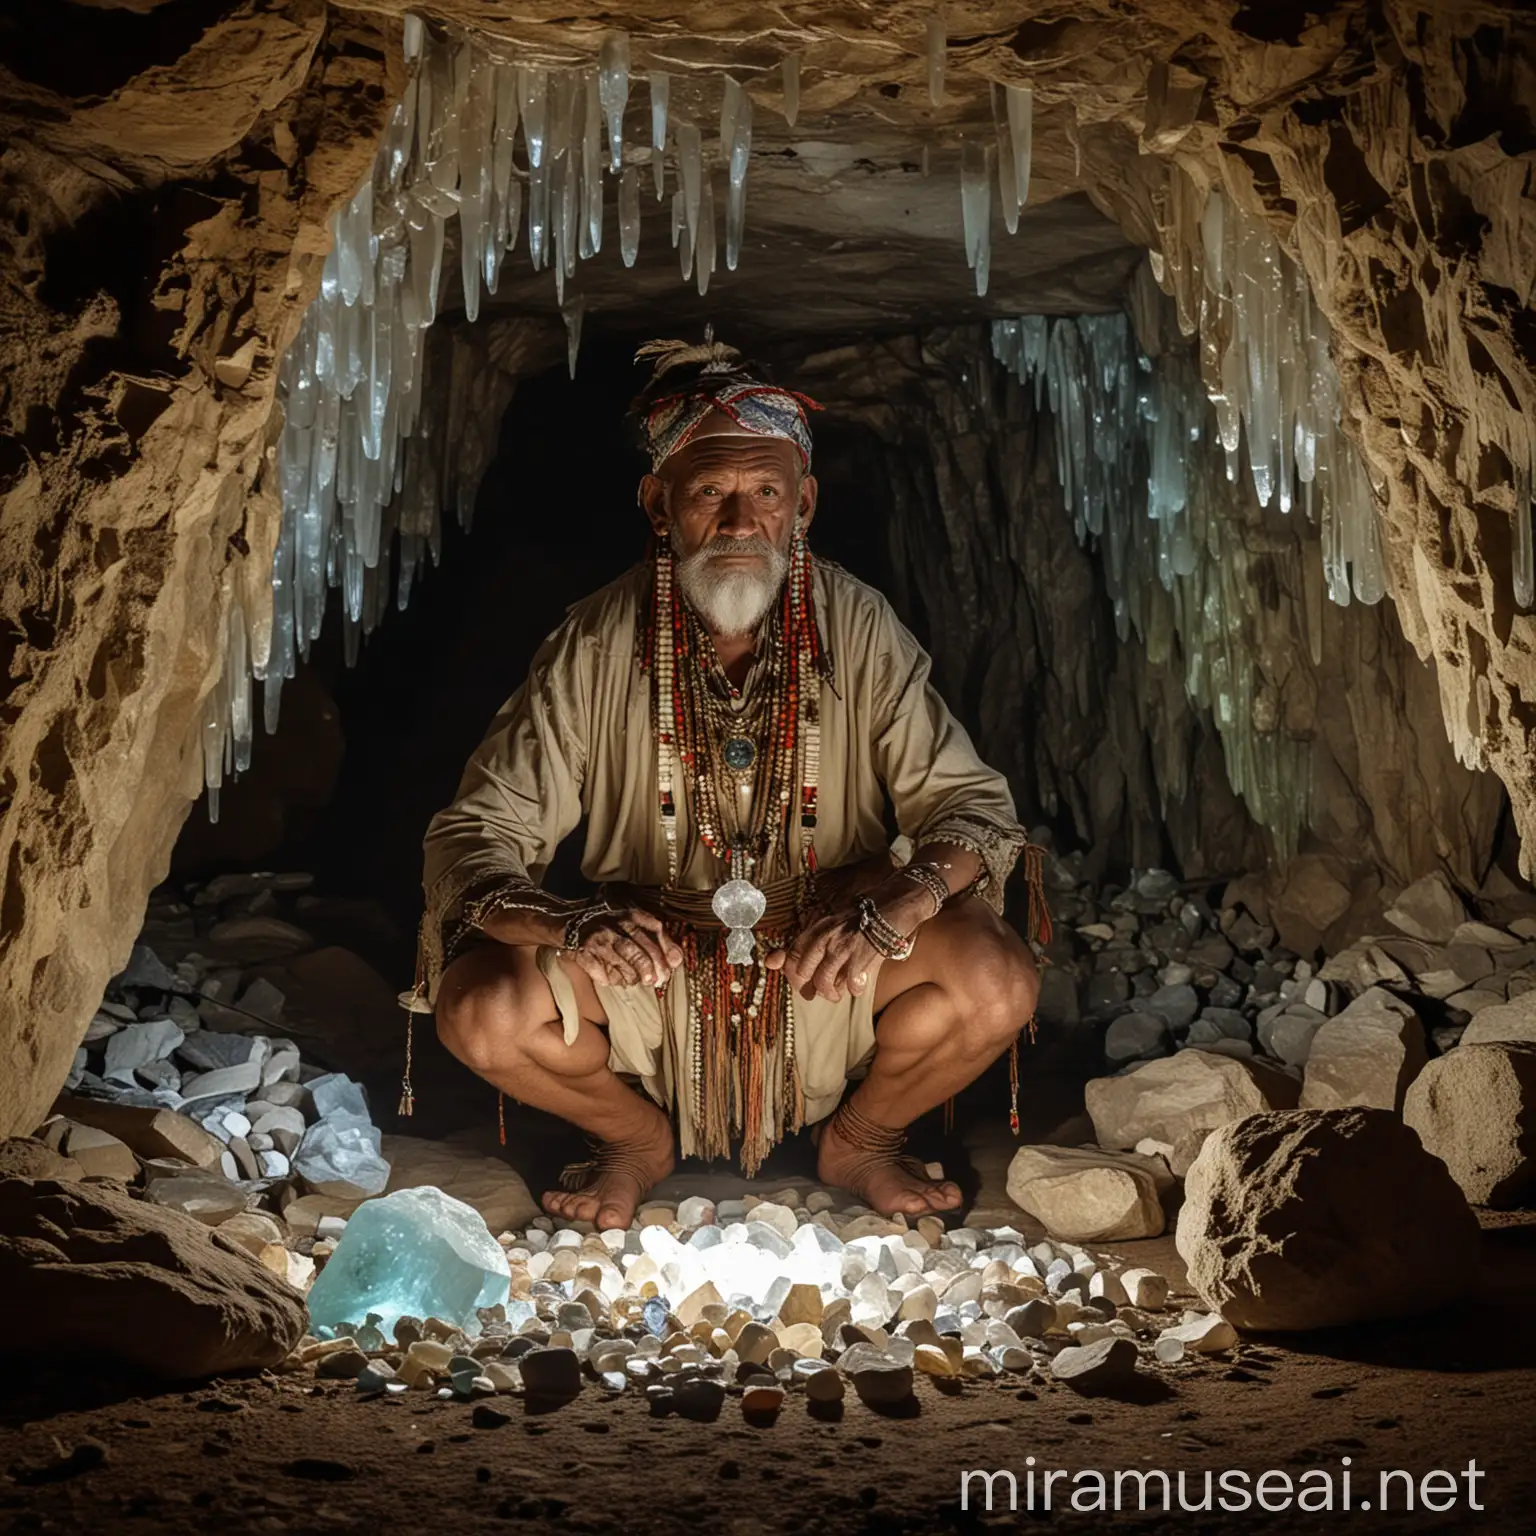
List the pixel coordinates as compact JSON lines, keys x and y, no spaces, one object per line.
{"x":941,"y":790}
{"x":521,"y":793}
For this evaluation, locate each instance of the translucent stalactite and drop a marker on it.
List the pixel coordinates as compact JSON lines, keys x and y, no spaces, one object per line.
{"x":690,"y":161}
{"x":613,"y":78}
{"x":572,"y":314}
{"x":790,"y":66}
{"x":592,"y":173}
{"x":1266,"y":363}
{"x":1143,"y":475}
{"x":661,"y":93}
{"x":937,"y":41}
{"x":1007,"y":180}
{"x":976,"y":210}
{"x":739,"y":160}
{"x":629,"y":215}
{"x":533,"y":97}
{"x":730,"y":104}
{"x":1020,"y":101}
{"x":705,"y":243}
{"x":371,"y":450}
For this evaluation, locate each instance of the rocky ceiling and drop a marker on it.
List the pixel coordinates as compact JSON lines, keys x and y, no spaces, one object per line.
{"x":167,"y":175}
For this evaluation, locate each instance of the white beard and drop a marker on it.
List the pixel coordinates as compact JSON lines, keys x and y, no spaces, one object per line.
{"x":732,"y":602}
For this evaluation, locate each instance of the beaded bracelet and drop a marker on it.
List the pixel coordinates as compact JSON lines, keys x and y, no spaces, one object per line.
{"x":927,"y":876}
{"x":887,"y":940}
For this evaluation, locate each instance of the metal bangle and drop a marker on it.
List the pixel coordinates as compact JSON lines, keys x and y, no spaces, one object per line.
{"x":928,"y":877}
{"x":885,"y":939}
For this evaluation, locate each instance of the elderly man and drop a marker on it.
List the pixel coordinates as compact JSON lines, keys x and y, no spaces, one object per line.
{"x":732,"y":717}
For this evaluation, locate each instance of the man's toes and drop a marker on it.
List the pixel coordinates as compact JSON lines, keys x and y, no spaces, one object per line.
{"x":611,"y":1214}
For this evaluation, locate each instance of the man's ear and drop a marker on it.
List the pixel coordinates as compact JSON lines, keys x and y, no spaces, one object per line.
{"x":653,"y":502}
{"x":807,"y":508}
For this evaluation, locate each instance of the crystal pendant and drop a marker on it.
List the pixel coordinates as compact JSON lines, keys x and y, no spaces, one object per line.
{"x":739,"y":904}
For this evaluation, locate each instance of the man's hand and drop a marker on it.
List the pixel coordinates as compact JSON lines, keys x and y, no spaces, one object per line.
{"x":627,"y":948}
{"x":830,"y":957}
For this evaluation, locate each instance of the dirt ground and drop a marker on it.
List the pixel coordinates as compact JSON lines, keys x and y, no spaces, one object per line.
{"x":284,"y":1453}
{"x":287,"y":1454}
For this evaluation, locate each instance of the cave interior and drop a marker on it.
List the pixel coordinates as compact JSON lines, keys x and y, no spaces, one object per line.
{"x":1177,"y":381}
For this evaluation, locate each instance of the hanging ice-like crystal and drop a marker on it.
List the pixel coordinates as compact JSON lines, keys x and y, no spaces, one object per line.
{"x":690,"y":159}
{"x":937,"y":41}
{"x":739,"y":160}
{"x":361,"y":467}
{"x":613,"y":77}
{"x":572,"y":314}
{"x":1021,"y":117}
{"x":592,"y":172}
{"x":661,"y":91}
{"x":629,"y":215}
{"x":1143,"y":473}
{"x":730,"y":105}
{"x":790,"y":65}
{"x":704,"y":244}
{"x":533,"y":96}
{"x":976,"y":210}
{"x":1007,"y":180}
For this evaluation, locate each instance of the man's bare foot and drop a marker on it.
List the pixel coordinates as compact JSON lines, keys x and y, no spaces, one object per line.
{"x":635,"y":1164}
{"x":885,"y":1184}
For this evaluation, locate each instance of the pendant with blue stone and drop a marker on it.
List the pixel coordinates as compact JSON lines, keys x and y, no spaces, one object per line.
{"x":739,"y":753}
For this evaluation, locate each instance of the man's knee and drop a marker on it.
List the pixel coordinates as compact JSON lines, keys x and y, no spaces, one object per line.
{"x":482,"y":1016}
{"x":999,"y":986}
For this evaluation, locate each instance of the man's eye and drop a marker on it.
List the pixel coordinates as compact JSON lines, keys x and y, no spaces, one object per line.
{"x":768,"y":490}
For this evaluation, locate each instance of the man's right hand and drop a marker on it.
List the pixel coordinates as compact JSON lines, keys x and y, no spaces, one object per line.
{"x":628,"y":947}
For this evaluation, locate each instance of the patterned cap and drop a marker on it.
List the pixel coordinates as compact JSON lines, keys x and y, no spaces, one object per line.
{"x":713,"y":378}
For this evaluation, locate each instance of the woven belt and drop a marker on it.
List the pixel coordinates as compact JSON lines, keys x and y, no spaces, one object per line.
{"x":693,"y":907}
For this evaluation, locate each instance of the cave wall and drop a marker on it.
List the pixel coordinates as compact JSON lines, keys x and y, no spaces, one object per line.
{"x":164,"y":201}
{"x":161,"y":237}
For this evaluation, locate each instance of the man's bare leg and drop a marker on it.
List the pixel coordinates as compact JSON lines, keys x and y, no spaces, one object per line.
{"x":945,"y":1015}
{"x":496,"y":1013}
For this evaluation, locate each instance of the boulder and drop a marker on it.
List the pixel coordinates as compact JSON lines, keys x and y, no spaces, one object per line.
{"x":205,"y":1197}
{"x":1323,"y":1217}
{"x":1366,"y":1055}
{"x":100,"y":1154}
{"x":150,"y":1132}
{"x":1135,"y":1035}
{"x":1428,"y":909}
{"x":489,"y":1184}
{"x":1179,"y":1095}
{"x":116,"y":1282}
{"x":1475,"y":1109}
{"x":1514,"y":1021}
{"x":1315,"y":895}
{"x":1087,"y":1195}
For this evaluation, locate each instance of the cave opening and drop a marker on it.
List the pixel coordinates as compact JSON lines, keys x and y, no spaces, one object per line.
{"x":1137,"y":419}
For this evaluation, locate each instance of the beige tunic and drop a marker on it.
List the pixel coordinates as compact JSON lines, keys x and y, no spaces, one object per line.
{"x":578,"y":740}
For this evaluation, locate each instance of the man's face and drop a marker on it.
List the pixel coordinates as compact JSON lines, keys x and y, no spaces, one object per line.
{"x":729,"y":504}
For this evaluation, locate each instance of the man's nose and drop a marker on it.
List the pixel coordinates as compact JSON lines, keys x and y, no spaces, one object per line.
{"x":736,"y":521}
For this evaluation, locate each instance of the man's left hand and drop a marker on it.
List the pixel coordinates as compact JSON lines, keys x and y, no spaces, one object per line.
{"x":830,"y":956}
